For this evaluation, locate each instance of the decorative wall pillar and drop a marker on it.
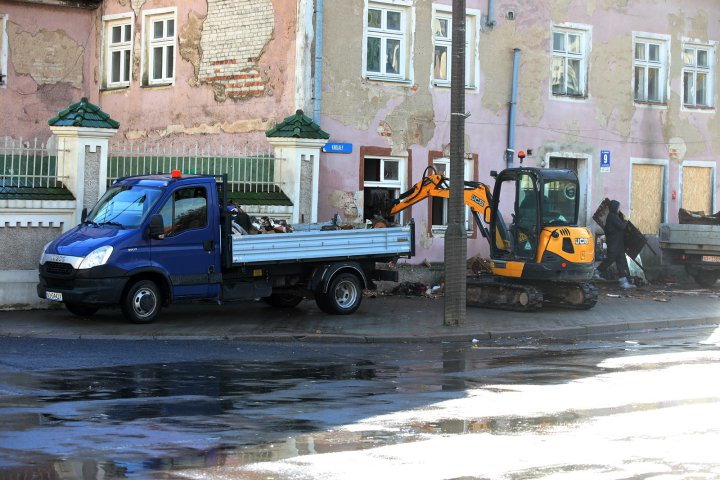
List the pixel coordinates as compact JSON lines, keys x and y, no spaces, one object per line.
{"x":83,"y":133}
{"x":297,"y":141}
{"x":299,"y":174}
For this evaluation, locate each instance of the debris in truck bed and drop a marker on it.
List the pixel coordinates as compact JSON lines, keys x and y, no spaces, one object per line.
{"x":698,"y":218}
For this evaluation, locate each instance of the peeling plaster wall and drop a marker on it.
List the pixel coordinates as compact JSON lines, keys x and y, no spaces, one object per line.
{"x":234,"y":74}
{"x":415,"y":118}
{"x":49,"y":56}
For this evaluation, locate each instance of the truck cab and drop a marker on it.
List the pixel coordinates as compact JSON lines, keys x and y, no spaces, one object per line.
{"x":114,"y":249}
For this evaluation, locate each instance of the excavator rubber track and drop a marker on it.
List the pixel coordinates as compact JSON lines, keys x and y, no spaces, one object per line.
{"x":491,"y":292}
{"x":521,"y":296}
{"x":577,"y":296}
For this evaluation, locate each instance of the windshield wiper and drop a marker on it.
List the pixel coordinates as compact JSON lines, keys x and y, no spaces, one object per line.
{"x":90,"y":222}
{"x":110,"y":222}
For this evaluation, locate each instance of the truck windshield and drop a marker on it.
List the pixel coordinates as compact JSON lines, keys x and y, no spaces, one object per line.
{"x":560,"y":199}
{"x":124,"y":206}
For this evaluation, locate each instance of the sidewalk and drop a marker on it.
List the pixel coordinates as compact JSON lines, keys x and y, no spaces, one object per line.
{"x":381,"y":319}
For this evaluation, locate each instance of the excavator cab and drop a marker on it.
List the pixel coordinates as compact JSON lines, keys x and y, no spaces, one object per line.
{"x":542,"y":202}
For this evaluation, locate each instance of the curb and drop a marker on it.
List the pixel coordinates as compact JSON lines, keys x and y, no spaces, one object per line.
{"x":580,"y":331}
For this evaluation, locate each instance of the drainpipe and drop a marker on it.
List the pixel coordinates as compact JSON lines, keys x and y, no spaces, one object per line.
{"x":510,"y":152}
{"x":490,"y":21}
{"x":317,"y":76}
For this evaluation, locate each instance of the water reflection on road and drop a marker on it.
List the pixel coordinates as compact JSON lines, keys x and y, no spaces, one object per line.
{"x":499,"y":410}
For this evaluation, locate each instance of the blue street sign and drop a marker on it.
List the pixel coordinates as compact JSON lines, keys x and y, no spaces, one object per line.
{"x":331,"y":147}
{"x":604,"y":160}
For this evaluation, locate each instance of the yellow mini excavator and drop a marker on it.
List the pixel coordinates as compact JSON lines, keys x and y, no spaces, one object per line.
{"x":542,"y":256}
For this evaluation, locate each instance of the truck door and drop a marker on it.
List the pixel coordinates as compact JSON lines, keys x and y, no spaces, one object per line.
{"x":187,"y":252}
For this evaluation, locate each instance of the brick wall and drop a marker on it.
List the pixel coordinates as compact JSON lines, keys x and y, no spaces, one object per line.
{"x":234,"y":35}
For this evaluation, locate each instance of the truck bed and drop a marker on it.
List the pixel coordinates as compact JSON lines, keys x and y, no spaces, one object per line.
{"x":690,"y":238}
{"x":318,"y":245}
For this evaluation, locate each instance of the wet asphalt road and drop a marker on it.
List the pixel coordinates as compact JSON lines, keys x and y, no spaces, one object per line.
{"x":632,"y":406}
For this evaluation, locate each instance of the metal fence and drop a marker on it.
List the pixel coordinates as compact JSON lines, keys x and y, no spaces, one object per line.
{"x":248,"y":169}
{"x":29,"y":164}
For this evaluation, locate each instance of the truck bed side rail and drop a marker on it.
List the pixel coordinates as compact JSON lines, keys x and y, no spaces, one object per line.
{"x":319,"y":245}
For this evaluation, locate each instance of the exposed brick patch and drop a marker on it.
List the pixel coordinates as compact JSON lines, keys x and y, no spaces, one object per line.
{"x":234,"y":35}
{"x":230,"y":61}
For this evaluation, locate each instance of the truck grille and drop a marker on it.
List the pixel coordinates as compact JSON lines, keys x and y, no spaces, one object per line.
{"x":56,"y":268}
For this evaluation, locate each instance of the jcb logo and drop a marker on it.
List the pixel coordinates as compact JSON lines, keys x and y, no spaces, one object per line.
{"x":581,"y":241}
{"x":478,"y":200}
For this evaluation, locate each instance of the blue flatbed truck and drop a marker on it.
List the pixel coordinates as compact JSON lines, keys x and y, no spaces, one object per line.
{"x":158,"y":239}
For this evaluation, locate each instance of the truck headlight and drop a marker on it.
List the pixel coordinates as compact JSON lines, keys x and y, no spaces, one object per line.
{"x":42,"y":254}
{"x":97,"y":257}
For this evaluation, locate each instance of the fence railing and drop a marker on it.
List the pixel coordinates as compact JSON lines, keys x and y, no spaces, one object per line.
{"x":248,"y":169}
{"x":29,"y":164}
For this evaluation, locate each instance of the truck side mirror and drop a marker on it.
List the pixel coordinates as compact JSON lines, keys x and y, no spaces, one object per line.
{"x":83,"y":215}
{"x":493,"y":173}
{"x":157,"y":227}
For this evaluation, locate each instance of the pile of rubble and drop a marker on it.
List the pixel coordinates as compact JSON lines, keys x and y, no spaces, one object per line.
{"x":243,"y":224}
{"x":698,"y":218}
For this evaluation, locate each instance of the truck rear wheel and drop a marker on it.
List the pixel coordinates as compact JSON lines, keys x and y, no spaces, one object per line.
{"x":283,"y":300}
{"x":343,"y":295}
{"x":81,"y":310}
{"x":142,"y":302}
{"x":706,"y":278}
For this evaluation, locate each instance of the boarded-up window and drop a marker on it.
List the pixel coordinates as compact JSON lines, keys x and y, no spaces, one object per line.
{"x":697,"y":189}
{"x":647,"y":197}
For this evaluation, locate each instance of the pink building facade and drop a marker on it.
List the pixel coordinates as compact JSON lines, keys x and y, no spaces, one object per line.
{"x":622,"y":92}
{"x":167,"y":71}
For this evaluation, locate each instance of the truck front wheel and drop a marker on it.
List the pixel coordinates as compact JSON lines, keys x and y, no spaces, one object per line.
{"x":706,"y":278}
{"x":142,"y":302}
{"x":343,"y":295}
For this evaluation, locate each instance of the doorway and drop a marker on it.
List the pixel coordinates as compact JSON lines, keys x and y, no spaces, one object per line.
{"x":577,"y":164}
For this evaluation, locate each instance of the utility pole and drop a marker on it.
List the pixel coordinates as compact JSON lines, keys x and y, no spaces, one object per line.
{"x":456,"y":235}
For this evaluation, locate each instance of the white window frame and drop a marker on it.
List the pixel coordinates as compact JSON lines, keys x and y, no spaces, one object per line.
{"x":405,"y":36}
{"x":709,"y":70}
{"x":3,"y":51}
{"x":400,"y":184}
{"x":148,"y":19}
{"x":663,"y":41}
{"x":585,"y":33}
{"x":438,"y":230}
{"x":110,"y":21}
{"x":701,"y":164}
{"x":472,"y":18}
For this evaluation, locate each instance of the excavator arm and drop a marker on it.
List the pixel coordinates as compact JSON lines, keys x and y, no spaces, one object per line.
{"x":476,"y":196}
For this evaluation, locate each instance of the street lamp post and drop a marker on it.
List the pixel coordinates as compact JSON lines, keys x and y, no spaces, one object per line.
{"x":456,"y":235}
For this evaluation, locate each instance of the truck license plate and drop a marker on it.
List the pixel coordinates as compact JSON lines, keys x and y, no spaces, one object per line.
{"x":54,"y":296}
{"x":711,"y":258}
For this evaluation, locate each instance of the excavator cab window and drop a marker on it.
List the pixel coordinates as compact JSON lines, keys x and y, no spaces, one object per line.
{"x":518,"y":190}
{"x":525,"y":224}
{"x":560,"y":202}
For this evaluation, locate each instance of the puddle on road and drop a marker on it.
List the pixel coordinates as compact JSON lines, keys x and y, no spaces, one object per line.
{"x":132,"y":420}
{"x":146,"y":421}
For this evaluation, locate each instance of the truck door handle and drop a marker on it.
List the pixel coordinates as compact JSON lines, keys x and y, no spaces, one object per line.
{"x":209,"y":245}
